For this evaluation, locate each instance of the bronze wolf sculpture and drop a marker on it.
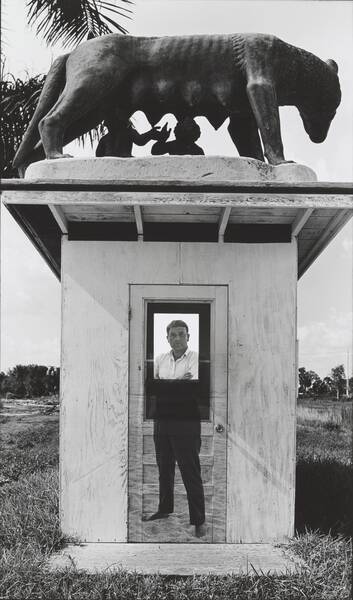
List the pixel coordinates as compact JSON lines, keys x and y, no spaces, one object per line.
{"x":245,"y":77}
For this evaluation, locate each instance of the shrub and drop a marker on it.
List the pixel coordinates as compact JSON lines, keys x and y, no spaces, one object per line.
{"x":331,"y":426}
{"x":324,"y":496}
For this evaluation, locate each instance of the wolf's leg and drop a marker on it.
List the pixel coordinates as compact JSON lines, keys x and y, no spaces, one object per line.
{"x":53,"y":126}
{"x":77,"y":129}
{"x":244,"y":133}
{"x":74,"y":104}
{"x":263,"y":101}
{"x":263,"y":59}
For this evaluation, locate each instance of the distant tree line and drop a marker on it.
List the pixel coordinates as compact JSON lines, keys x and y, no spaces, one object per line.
{"x":30,"y":381}
{"x":334,"y":385}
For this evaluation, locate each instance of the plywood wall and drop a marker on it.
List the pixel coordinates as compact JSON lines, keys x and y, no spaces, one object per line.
{"x":261,"y":384}
{"x":94,"y":382}
{"x":261,"y":380}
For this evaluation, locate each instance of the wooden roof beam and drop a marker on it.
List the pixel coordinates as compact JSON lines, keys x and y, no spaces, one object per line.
{"x":300,"y":220}
{"x":60,"y":217}
{"x":139,"y":222}
{"x":223,"y":222}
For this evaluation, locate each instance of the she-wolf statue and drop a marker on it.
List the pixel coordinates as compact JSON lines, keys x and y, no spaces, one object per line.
{"x":244,"y":76}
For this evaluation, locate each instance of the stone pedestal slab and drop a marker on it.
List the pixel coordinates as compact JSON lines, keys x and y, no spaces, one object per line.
{"x":205,"y":168}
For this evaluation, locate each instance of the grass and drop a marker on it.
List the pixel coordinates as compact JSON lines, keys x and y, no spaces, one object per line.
{"x":30,"y":532}
{"x":317,"y":440}
{"x":327,"y":413}
{"x":324,"y":486}
{"x":29,"y":451}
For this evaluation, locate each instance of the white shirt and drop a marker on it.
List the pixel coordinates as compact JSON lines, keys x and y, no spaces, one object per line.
{"x":166,"y":367}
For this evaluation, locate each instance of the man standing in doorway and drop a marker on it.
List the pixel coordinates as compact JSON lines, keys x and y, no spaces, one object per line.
{"x":177,"y":435}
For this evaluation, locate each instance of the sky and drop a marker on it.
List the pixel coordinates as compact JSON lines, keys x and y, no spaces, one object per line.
{"x":30,"y":308}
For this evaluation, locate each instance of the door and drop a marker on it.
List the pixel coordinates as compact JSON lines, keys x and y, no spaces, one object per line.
{"x":174,"y":401}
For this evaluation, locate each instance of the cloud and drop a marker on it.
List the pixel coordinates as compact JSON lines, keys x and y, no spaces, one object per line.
{"x":33,"y":350}
{"x":324,"y":344}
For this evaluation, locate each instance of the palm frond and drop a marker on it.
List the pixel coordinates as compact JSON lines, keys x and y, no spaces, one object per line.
{"x":18,"y":101}
{"x":105,"y":4}
{"x":69,"y":21}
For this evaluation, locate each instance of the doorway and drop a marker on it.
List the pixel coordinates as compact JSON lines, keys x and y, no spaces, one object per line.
{"x":175,"y":401}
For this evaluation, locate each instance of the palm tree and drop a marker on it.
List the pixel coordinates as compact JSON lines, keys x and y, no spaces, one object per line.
{"x":70,"y":21}
{"x":18,"y":101}
{"x":65,"y":21}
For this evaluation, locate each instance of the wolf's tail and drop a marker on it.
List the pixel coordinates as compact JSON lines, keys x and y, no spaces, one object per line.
{"x":53,"y":85}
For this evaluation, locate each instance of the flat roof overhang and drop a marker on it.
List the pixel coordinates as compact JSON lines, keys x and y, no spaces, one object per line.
{"x":312,"y":212}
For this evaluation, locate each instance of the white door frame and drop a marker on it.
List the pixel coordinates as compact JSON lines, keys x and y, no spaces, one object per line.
{"x":217,"y":296}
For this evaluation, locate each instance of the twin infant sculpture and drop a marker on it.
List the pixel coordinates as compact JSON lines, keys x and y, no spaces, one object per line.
{"x":245,"y":77}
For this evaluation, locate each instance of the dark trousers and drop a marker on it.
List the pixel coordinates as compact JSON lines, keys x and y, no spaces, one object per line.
{"x":181,"y":443}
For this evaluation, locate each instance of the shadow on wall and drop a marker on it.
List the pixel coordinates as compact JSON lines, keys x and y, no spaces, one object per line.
{"x":324,"y":496}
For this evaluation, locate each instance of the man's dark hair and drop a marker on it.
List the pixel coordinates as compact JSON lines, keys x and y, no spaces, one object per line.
{"x":177,"y":324}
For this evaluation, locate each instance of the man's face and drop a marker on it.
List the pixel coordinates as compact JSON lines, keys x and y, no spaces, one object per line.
{"x":178,"y":338}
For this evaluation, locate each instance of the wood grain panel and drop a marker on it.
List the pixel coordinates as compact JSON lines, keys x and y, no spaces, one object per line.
{"x":261,"y":382}
{"x":94,"y":380}
{"x":318,"y":224}
{"x":118,"y":213}
{"x":181,"y":210}
{"x":264,"y":212}
{"x":317,"y":220}
{"x":252,"y":219}
{"x":171,"y":217}
{"x":102,"y":212}
{"x":308,"y":233}
{"x":324,"y":213}
{"x":93,"y":445}
{"x":303,"y":248}
{"x":261,"y":448}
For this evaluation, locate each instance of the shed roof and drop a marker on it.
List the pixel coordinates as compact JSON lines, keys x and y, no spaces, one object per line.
{"x":185,"y":204}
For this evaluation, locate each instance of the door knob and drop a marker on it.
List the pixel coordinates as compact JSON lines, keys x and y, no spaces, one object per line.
{"x":219,"y":428}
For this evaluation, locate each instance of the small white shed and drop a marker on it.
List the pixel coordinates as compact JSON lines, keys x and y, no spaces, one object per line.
{"x":221,"y":238}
